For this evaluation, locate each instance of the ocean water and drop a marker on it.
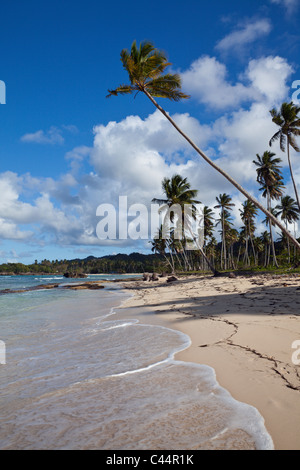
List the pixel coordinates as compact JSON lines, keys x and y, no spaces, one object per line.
{"x":75,"y":377}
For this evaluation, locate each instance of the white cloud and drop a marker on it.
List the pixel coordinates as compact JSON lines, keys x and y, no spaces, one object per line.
{"x":264,"y":80}
{"x":206,"y":80}
{"x":135,"y":152}
{"x":246,"y":34}
{"x":290,"y":5}
{"x":268,"y":76}
{"x":52,"y":136}
{"x":10,"y":231}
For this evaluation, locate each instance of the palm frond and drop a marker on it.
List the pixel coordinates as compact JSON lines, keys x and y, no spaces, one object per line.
{"x":293,"y":143}
{"x":275,"y":137}
{"x":121,"y":90}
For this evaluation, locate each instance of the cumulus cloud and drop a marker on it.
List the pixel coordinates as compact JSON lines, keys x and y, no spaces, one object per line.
{"x":244,"y":35}
{"x":268,"y":75}
{"x":264,"y":80}
{"x":206,"y":80}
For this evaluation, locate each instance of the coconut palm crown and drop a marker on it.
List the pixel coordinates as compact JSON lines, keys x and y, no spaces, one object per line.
{"x":288,"y":121}
{"x":145,"y":67}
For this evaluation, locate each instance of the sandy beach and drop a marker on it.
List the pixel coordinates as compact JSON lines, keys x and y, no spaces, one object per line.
{"x":244,"y":328}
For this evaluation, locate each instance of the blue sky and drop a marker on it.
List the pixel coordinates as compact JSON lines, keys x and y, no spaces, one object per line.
{"x":65,"y":148}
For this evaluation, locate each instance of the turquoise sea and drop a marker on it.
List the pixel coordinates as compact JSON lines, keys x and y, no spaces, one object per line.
{"x":75,"y":377}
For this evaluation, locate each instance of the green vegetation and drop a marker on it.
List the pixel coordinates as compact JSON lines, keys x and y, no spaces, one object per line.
{"x":114,"y":264}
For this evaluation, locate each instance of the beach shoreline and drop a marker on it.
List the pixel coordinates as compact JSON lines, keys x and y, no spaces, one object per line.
{"x":244,"y":328}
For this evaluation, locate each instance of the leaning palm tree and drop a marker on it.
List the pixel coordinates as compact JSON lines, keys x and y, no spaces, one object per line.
{"x":288,"y":209}
{"x":289,"y":122}
{"x":178,"y":192}
{"x":146,"y":66}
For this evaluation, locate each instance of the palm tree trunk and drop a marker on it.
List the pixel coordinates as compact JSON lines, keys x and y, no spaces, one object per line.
{"x":271,"y":231}
{"x":226,"y":175}
{"x":288,"y":244}
{"x":238,"y":258}
{"x":166,"y":258}
{"x":211,"y":267}
{"x":224,"y":240}
{"x":291,"y":171}
{"x":252,"y":244}
{"x":172,"y":259}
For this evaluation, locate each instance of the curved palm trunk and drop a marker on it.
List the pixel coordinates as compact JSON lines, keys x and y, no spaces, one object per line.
{"x":226,"y":175}
{"x":291,"y":171}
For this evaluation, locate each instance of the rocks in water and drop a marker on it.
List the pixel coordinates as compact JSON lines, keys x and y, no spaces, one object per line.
{"x":86,"y":285}
{"x":232,"y":275}
{"x":74,"y":275}
{"x":150,"y":277}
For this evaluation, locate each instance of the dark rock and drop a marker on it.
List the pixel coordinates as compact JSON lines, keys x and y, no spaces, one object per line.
{"x":232,"y":275}
{"x":75,"y":275}
{"x":172,"y":279}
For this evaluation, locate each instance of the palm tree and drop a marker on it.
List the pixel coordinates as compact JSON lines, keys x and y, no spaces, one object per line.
{"x":178,"y":192}
{"x":289,"y":122}
{"x":208,"y":222}
{"x":266,"y":241}
{"x":288,"y":209}
{"x":159,"y":245}
{"x":225,"y":204}
{"x":248,"y":213}
{"x":232,"y":236}
{"x":270,"y":178}
{"x":146,"y":66}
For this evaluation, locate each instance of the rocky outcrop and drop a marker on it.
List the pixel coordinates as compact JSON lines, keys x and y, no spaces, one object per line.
{"x":172,"y":279}
{"x":75,"y":275}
